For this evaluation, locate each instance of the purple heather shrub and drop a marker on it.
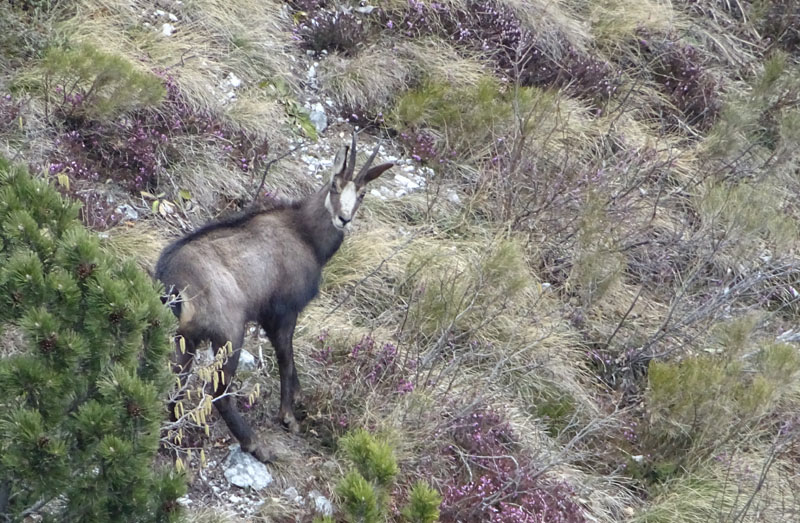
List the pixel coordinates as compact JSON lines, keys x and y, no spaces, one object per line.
{"x":681,"y":71}
{"x":359,"y":369}
{"x":420,"y":145}
{"x":780,"y":25}
{"x":494,"y":30}
{"x":134,"y":150}
{"x":496,"y":481}
{"x":331,"y":30}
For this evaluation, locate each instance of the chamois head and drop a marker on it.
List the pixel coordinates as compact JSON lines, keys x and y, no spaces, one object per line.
{"x":346,"y":190}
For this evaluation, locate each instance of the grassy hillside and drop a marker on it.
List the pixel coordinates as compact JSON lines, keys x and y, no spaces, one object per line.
{"x":588,"y":310}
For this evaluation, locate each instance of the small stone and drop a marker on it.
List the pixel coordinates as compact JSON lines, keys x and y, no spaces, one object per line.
{"x":243,"y":470}
{"x":127,"y":212}
{"x":234,"y":80}
{"x":318,"y":117}
{"x":452,"y":197}
{"x":184,"y":501}
{"x":247,"y":362}
{"x":321,"y":503}
{"x":172,"y":17}
{"x":292,"y":495}
{"x":365,"y":9}
{"x":233,"y":498}
{"x":167,"y":29}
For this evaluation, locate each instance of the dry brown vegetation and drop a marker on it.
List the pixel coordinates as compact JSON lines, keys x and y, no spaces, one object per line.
{"x":591,"y":307}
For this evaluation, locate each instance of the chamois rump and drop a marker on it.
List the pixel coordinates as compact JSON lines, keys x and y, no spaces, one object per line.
{"x":262,"y":266}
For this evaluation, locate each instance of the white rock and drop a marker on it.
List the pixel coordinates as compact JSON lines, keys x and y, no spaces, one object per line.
{"x":452,"y":197}
{"x":167,"y":29}
{"x":365,"y":9}
{"x":184,"y":500}
{"x":247,"y":362}
{"x":127,"y":212}
{"x":292,"y":495}
{"x":234,"y":80}
{"x":321,"y":503}
{"x":407,"y":183}
{"x":159,"y":12}
{"x":318,"y":117}
{"x":233,"y":498}
{"x":172,"y":17}
{"x":243,"y":470}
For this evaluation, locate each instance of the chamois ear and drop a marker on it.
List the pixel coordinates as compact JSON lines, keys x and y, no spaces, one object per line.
{"x":376,"y":171}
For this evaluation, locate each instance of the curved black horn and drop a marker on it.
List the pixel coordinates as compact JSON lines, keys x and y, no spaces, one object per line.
{"x":365,"y":167}
{"x":351,"y":165}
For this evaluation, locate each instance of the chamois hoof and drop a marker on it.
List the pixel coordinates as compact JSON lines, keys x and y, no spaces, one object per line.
{"x":300,"y":411}
{"x":262,"y":454}
{"x":290,"y":423}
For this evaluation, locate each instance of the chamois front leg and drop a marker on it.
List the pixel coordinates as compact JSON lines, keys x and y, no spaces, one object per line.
{"x":226,"y":405}
{"x":280,"y":334}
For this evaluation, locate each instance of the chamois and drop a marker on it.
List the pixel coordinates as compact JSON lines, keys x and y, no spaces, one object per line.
{"x":262,"y":266}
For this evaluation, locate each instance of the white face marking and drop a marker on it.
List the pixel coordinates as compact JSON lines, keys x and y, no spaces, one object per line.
{"x":328,"y":204}
{"x":348,"y":200}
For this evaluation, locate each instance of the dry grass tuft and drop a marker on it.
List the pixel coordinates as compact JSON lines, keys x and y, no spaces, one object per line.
{"x":212,"y":39}
{"x":141,"y":241}
{"x":616,"y":21}
{"x":371,"y":79}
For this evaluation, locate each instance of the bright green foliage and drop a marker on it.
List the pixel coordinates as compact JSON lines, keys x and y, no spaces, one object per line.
{"x":467,"y":117}
{"x":364,"y":492}
{"x":749,"y":216}
{"x":374,"y":459}
{"x":597,"y":263}
{"x":84,"y":343}
{"x":84,"y":82}
{"x":701,"y":401}
{"x":359,"y":499}
{"x":460,"y":298}
{"x":423,"y":504}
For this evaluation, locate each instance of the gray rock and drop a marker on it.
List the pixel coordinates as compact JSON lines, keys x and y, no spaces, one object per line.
{"x":127,"y":212}
{"x":243,"y":470}
{"x":321,"y":503}
{"x":318,"y":117}
{"x":292,"y":495}
{"x":247,"y":362}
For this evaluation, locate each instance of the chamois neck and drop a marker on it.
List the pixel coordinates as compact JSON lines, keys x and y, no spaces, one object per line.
{"x":317,"y":226}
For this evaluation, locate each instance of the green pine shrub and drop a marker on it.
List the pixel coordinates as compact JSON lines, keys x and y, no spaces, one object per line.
{"x":460,"y":294}
{"x":84,"y":343}
{"x":463,"y":120}
{"x":84,"y":83}
{"x":698,"y":404}
{"x":365,"y":491}
{"x":423,"y":504}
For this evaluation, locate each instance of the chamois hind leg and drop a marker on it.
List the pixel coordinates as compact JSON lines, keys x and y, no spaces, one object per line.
{"x":280,"y":332}
{"x":226,"y":404}
{"x":181,"y":365}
